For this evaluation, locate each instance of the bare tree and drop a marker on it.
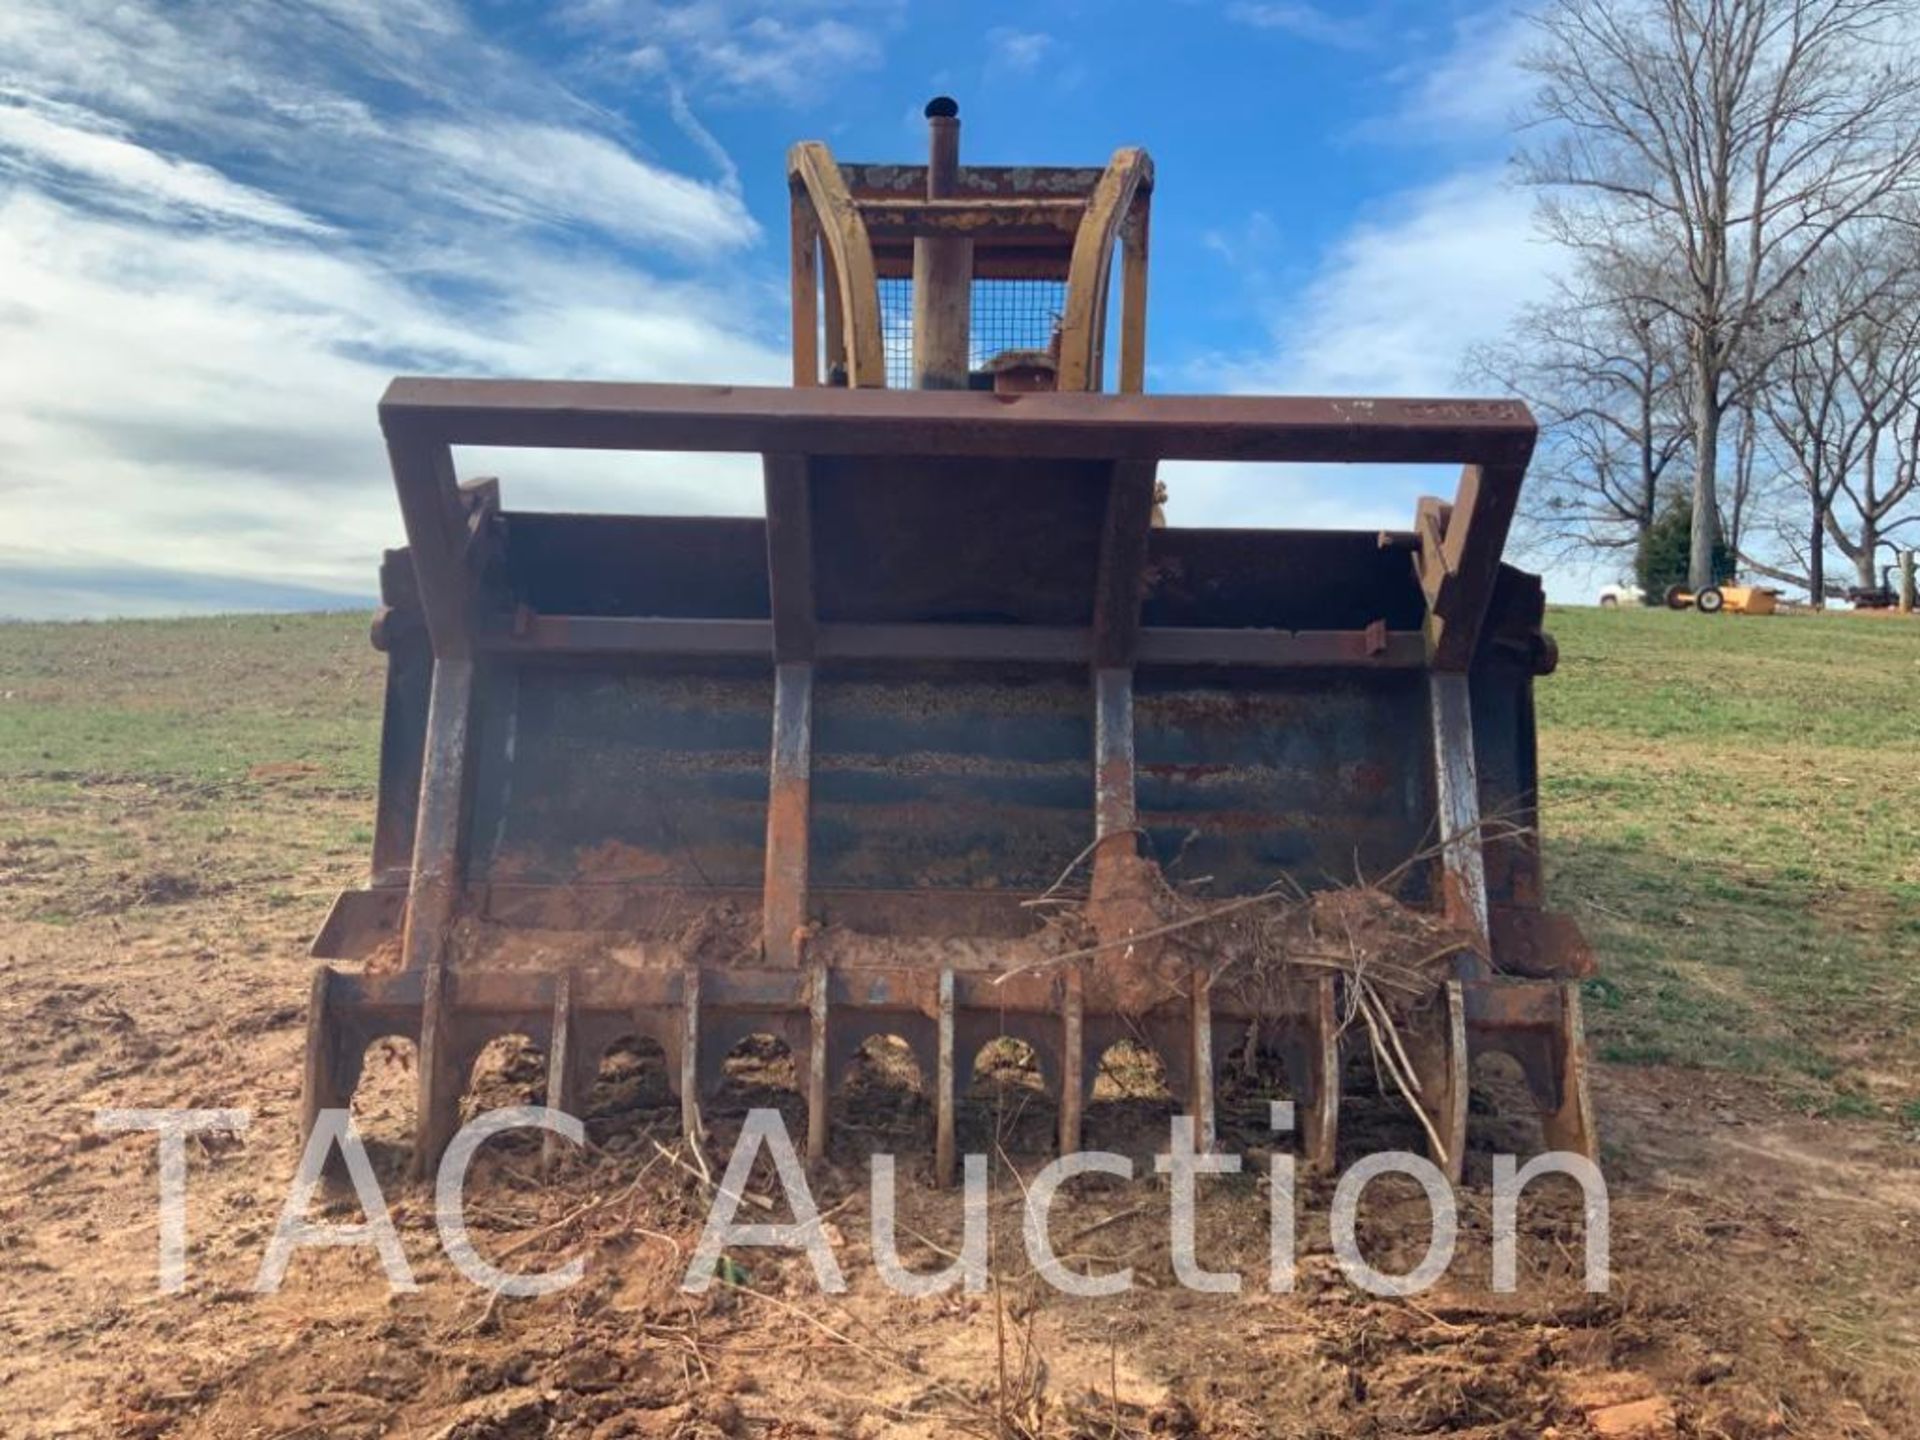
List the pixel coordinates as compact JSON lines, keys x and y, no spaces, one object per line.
{"x":1743,"y":493}
{"x":1817,"y":435}
{"x":1883,"y":374}
{"x":1598,"y":366}
{"x":1883,"y":504}
{"x":1736,"y":138}
{"x":1843,"y":403}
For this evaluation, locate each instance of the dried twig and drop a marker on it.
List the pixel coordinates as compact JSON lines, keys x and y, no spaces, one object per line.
{"x":1403,"y":1080}
{"x":760,"y":1202}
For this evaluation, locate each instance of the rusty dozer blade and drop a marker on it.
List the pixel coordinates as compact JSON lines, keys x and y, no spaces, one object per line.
{"x":955,"y":655}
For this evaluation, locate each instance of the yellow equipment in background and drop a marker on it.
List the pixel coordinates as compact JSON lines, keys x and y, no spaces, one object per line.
{"x":1735,"y":599}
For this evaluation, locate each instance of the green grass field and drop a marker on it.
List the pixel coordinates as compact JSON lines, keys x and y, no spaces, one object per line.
{"x":1731,"y":808}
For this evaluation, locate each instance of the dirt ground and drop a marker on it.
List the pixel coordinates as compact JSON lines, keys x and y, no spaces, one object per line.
{"x":1766,"y":1265}
{"x":180,"y":802}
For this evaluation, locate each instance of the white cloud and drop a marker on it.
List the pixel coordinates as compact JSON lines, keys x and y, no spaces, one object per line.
{"x":206,"y":403}
{"x":225,"y":225}
{"x":787,"y":50}
{"x":1473,"y":89}
{"x":1297,"y":497}
{"x":33,"y":586}
{"x":769,"y":54}
{"x":1392,"y":305}
{"x":253,"y":67}
{"x":224,"y":228}
{"x":1304,"y":21}
{"x":1401,"y":296}
{"x":545,"y":174}
{"x":1391,"y":310}
{"x":1018,"y":50}
{"x":71,"y":144}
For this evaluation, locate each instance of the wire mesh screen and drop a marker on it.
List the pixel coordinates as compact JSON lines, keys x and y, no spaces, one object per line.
{"x":896,"y":332}
{"x":1007,"y":315}
{"x":1013,"y":315}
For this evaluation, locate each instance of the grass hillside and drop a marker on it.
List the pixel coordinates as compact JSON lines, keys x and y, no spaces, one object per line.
{"x":1731,"y":806}
{"x":1732,"y":809}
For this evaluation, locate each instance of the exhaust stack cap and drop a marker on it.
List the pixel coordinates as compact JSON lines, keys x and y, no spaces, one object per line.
{"x":943,"y":107}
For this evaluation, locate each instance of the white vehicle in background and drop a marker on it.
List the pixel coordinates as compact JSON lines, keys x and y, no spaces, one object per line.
{"x":1614,"y":596}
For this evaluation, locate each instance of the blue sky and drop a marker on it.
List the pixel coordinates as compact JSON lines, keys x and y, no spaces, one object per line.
{"x":224,"y":225}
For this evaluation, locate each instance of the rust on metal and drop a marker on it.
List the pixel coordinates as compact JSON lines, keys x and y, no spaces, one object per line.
{"x":1439,"y":1055}
{"x":802,"y":772}
{"x":434,"y":886}
{"x":430,"y":507}
{"x":803,"y":315}
{"x":1024,"y":372}
{"x":818,"y":1002}
{"x":1165,"y":645}
{"x":565,"y":1092}
{"x":790,"y":556}
{"x":789,"y":806}
{"x":689,"y":1052}
{"x":1120,"y":582}
{"x":613,"y":415}
{"x":937,"y":216}
{"x":1200,"y":1083}
{"x":1007,"y":182}
{"x":1128,"y":179}
{"x":1320,"y":1123}
{"x":1134,"y":227}
{"x":1540,"y":943}
{"x":1463,"y":861}
{"x":1569,"y":1124}
{"x":945,"y":1090}
{"x":1073,"y":1056}
{"x":432,"y":898}
{"x":853,"y":299}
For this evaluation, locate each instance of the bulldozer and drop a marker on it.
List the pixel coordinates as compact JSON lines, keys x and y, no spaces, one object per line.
{"x":956,"y":653}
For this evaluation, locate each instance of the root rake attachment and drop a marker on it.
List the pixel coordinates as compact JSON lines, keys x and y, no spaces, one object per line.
{"x":957,"y":652}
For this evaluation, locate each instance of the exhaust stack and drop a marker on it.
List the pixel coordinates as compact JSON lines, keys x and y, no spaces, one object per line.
{"x":942,"y":266}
